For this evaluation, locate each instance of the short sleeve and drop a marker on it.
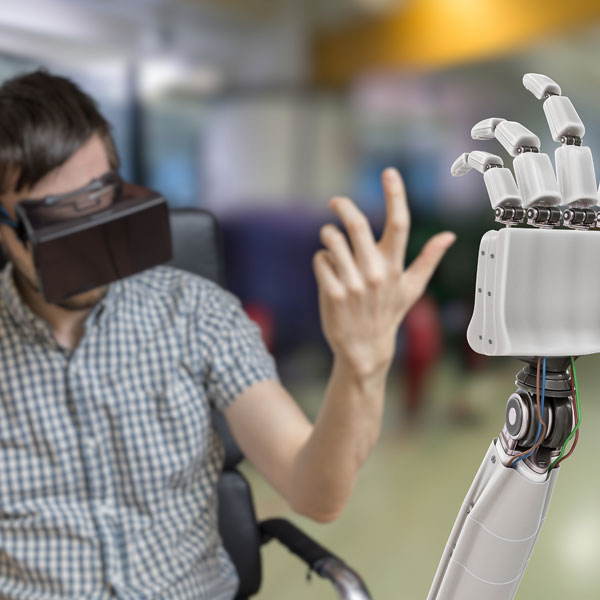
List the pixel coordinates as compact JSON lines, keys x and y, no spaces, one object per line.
{"x":236,"y":354}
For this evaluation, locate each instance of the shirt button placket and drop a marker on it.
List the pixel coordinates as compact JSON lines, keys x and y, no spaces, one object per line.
{"x":104,"y":510}
{"x":108,"y":527}
{"x":89,"y":441}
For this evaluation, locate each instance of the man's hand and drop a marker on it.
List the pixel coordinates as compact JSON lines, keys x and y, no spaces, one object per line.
{"x":365,"y":291}
{"x":363,"y":297}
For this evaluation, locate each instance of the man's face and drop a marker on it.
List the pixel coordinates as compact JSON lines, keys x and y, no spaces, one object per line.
{"x":87,"y":163}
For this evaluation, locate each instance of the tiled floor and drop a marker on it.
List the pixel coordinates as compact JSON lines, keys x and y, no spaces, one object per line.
{"x":397,"y":522}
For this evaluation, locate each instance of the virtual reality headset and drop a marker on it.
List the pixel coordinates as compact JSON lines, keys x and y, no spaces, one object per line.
{"x":105,"y":231}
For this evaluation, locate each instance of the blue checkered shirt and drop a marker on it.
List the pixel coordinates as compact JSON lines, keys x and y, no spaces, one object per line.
{"x":108,"y":458}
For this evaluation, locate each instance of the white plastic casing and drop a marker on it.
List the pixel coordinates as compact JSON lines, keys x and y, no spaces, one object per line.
{"x":512,"y":135}
{"x":494,"y":533}
{"x":536,"y":180}
{"x":576,"y":176}
{"x":562,"y":118}
{"x":540,"y":85}
{"x":483,"y":161}
{"x":478,"y":160}
{"x":484,"y":130}
{"x":501,"y":188}
{"x":461,"y":165}
{"x":537,"y":293}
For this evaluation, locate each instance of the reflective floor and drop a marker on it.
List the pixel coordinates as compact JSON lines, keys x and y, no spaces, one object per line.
{"x":396,"y":525}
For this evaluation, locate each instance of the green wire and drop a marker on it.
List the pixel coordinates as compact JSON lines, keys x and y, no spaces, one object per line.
{"x":578,"y":416}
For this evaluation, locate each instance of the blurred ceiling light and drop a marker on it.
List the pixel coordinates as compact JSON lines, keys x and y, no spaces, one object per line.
{"x":53,"y":18}
{"x":426,"y":34}
{"x":159,"y":76}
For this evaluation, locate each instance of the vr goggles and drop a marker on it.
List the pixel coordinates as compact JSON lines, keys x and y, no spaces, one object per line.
{"x":105,"y":231}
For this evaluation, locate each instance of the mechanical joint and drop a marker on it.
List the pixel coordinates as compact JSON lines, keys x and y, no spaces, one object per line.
{"x":509,"y":215}
{"x":543,"y":216}
{"x":580,"y":218}
{"x":570,"y":140}
{"x":522,"y":149}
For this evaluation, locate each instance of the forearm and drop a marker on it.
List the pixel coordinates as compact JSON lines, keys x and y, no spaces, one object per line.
{"x":364,"y":292}
{"x":344,"y":434}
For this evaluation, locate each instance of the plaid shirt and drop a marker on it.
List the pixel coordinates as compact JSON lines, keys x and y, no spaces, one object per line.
{"x":108,"y":459}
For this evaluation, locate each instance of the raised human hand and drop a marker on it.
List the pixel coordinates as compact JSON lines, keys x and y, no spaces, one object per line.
{"x":364,"y":289}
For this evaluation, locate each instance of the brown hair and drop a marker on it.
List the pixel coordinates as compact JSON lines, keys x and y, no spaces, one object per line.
{"x":44,"y":119}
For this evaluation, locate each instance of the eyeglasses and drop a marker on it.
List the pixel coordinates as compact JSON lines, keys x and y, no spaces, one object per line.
{"x":93,"y":197}
{"x":91,"y":190}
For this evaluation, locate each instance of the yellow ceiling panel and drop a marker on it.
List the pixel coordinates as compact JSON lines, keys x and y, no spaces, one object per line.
{"x":434,"y":33}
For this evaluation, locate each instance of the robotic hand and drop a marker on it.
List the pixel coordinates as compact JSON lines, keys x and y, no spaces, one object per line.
{"x":536,"y":299}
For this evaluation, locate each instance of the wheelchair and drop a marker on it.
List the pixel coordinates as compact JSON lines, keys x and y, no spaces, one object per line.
{"x":197,"y":247}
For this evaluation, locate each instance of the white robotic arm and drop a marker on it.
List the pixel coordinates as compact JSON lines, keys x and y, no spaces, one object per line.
{"x":501,"y":517}
{"x":535,"y":297}
{"x":495,"y":532}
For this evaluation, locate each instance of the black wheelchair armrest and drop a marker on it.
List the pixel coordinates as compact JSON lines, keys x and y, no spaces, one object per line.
{"x":346,"y":581}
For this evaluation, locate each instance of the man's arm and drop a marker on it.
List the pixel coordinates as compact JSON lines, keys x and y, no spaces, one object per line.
{"x":364,"y":293}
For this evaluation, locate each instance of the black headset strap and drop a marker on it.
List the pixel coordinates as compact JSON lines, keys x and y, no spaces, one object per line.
{"x":5,"y":219}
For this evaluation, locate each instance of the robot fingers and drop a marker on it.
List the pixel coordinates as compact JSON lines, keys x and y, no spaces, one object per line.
{"x":574,"y":163}
{"x":535,"y":178}
{"x":562,"y":117}
{"x":499,"y":182}
{"x":481,"y":161}
{"x":541,"y":86}
{"x":514,"y":137}
{"x":538,"y":189}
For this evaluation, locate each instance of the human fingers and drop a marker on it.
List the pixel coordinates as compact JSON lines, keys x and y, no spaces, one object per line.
{"x":397,"y":223}
{"x":360,"y":233}
{"x":345,"y":266}
{"x":421,"y":270}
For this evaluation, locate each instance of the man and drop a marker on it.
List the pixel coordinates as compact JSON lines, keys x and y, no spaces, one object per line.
{"x":108,"y":461}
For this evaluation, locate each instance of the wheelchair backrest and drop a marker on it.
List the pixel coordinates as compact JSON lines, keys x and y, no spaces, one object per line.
{"x":197,"y":247}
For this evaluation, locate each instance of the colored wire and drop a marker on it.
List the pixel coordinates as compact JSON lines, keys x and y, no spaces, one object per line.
{"x":577,"y":413}
{"x":542,"y":427}
{"x":559,"y":460}
{"x":540,"y":410}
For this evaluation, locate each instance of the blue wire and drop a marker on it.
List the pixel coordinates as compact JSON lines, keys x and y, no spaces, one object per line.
{"x":537,"y":437}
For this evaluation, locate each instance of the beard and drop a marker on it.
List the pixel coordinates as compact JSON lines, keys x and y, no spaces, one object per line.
{"x":84,"y":301}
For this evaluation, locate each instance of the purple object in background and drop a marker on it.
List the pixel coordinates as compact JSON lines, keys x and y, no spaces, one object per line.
{"x":268,"y":257}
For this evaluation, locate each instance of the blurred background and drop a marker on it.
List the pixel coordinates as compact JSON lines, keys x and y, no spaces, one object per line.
{"x":260,"y":111}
